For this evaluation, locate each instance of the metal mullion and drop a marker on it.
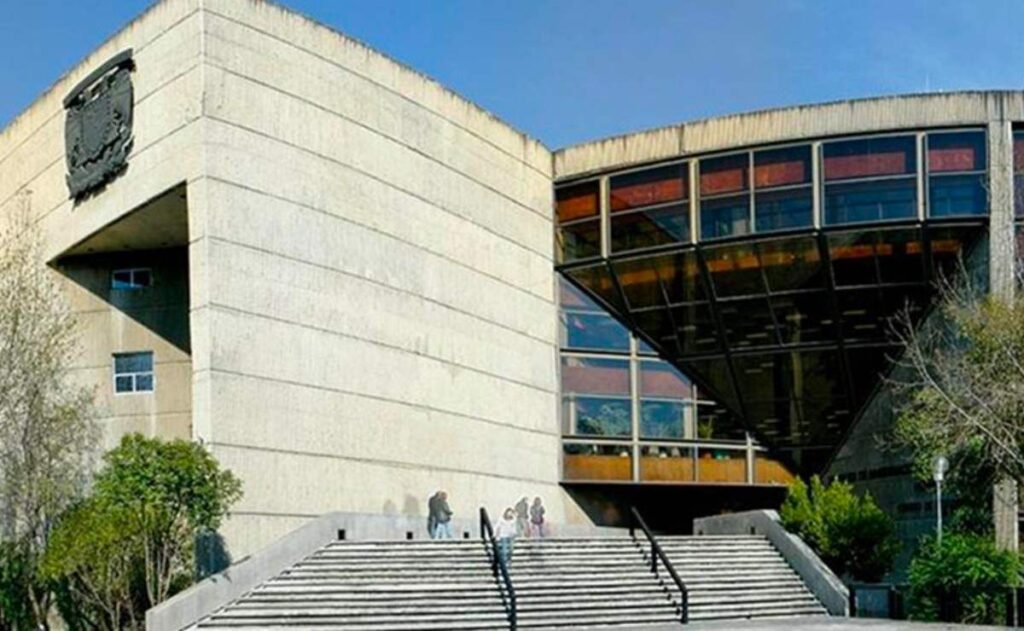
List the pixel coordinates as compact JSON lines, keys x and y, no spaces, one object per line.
{"x":844,"y":360}
{"x":603,"y":212}
{"x":817,"y":185}
{"x":634,"y":408}
{"x":923,"y":193}
{"x":693,"y":176}
{"x":751,"y":219}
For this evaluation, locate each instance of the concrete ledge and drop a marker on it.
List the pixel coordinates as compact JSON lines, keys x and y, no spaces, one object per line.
{"x":822,"y":582}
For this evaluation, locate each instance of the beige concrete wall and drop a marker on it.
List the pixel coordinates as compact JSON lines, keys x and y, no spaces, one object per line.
{"x":379,"y":300}
{"x":166,"y":82}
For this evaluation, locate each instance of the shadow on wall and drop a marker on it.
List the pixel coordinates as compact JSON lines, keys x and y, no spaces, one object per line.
{"x":150,"y":287}
{"x":212,"y":555}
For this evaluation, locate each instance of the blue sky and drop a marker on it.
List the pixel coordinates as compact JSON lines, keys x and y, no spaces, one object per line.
{"x":566,"y":71}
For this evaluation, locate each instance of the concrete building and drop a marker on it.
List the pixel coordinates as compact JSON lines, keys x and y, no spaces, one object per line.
{"x":346,"y":280}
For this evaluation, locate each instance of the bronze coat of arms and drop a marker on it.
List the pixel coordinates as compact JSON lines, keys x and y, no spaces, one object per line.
{"x":98,"y":130}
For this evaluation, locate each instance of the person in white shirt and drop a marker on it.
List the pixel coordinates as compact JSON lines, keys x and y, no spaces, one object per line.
{"x":505,"y":532}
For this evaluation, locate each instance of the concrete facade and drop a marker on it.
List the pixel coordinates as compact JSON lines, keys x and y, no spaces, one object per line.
{"x":360,"y":307}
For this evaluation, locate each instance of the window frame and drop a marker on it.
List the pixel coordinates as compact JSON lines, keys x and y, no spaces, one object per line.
{"x":133,"y":375}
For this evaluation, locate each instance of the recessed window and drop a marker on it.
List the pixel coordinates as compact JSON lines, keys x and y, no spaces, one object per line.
{"x":130,"y":279}
{"x":133,"y":372}
{"x":649,"y":208}
{"x":782,"y":186}
{"x":725,"y":196}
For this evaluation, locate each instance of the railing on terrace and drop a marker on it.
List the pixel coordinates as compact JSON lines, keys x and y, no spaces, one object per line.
{"x":680,"y":461}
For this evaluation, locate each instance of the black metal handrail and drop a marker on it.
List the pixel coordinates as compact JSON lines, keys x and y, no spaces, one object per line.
{"x":658,"y":553}
{"x":499,"y":567}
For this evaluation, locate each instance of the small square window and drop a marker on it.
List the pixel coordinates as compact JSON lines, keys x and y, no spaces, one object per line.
{"x":131,"y":279}
{"x":133,"y":372}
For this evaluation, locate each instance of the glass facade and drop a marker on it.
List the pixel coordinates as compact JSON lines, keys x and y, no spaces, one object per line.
{"x":788,"y":330}
{"x":629,"y":416}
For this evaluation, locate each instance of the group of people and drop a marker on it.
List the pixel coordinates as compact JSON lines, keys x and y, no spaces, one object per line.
{"x":524,"y":520}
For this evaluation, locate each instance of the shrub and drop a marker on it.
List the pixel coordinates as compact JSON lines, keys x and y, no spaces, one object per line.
{"x":965,"y":576}
{"x":850,"y":533}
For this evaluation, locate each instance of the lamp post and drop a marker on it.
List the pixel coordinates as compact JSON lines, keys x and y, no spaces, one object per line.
{"x":939,"y":467}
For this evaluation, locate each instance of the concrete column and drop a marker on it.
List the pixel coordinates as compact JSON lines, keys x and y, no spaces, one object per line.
{"x":1002,"y":285}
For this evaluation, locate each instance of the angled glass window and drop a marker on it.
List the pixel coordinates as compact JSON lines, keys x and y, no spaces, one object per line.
{"x":665,"y":402}
{"x":133,"y":372}
{"x":871,"y":179}
{"x":578,"y":210}
{"x":650,"y":187}
{"x":596,"y":396}
{"x":725,"y":196}
{"x":956,"y":174}
{"x":586,"y":326}
{"x":783,"y":195}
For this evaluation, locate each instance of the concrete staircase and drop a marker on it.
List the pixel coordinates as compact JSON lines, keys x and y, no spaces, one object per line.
{"x":732,"y":577}
{"x":413,"y":585}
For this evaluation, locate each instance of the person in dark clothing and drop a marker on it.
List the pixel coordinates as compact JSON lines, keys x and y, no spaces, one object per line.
{"x":432,"y":514}
{"x":523,"y":517}
{"x":537,"y":518}
{"x":443,"y":517}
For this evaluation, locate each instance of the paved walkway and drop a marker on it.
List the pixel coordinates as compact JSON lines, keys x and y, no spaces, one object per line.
{"x":805,"y":624}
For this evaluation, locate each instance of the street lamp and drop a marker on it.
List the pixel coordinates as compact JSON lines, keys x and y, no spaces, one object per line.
{"x":939,"y":467}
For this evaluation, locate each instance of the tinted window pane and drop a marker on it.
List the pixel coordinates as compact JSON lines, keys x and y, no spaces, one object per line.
{"x":585,"y":325}
{"x":144,"y":382}
{"x":577,"y":201}
{"x":597,"y":462}
{"x":723,"y":217}
{"x":727,"y":174}
{"x":871,"y":201}
{"x":782,"y":167}
{"x":142,"y":278}
{"x":122,"y":279}
{"x":596,"y":396}
{"x":697,"y":332}
{"x":961,"y":151}
{"x":747,"y":323}
{"x":792,"y":263}
{"x":804,"y":317}
{"x":647,"y":228}
{"x":580,"y":240}
{"x":133,"y":362}
{"x":645,"y":188}
{"x":663,"y":419}
{"x":660,"y":380}
{"x":122,"y":384}
{"x":950,"y":195}
{"x":735,"y":269}
{"x":871,"y":157}
{"x":647,"y":281}
{"x":781,"y":210}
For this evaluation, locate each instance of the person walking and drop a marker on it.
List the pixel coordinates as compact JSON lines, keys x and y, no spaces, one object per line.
{"x":537,"y":518}
{"x":432,"y":515}
{"x":505,"y":532}
{"x":523,"y":517}
{"x":443,"y":529}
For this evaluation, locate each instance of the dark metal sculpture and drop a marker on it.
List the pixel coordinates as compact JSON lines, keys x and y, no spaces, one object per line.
{"x":98,"y":130}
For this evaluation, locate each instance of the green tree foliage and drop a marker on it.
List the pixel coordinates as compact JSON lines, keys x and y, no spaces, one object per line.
{"x":97,"y":568}
{"x":16,"y":577}
{"x":966,"y":576}
{"x":850,"y":533}
{"x":131,"y":544}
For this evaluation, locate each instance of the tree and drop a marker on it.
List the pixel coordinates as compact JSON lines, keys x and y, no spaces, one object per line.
{"x":46,"y":431}
{"x":959,"y":384}
{"x":96,"y":569}
{"x":965,"y":577}
{"x":165,"y":495}
{"x":850,"y":533}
